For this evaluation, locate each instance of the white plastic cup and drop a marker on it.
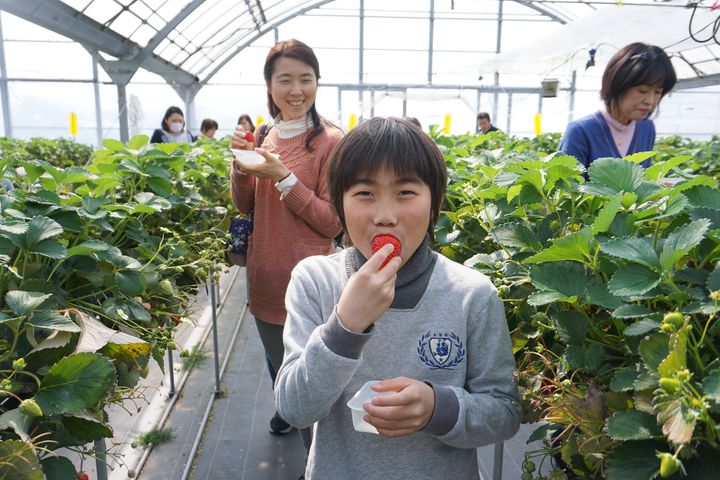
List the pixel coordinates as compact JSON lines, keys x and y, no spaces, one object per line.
{"x":365,"y":394}
{"x":248,"y":157}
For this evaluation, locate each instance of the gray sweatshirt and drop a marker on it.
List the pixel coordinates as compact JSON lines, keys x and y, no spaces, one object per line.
{"x":446,"y":326}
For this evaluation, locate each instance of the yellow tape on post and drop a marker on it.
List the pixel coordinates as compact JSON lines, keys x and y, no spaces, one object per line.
{"x":447,"y":120}
{"x":538,"y":124}
{"x":73,"y":123}
{"x":259,"y":120}
{"x":352,"y":123}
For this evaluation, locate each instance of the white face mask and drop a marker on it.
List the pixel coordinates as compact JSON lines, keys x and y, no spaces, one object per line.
{"x":176,"y":127}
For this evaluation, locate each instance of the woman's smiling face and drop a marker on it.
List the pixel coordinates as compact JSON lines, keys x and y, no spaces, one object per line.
{"x":293,"y":87}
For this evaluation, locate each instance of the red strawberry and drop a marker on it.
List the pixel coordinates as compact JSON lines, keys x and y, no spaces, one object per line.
{"x":379,"y":241}
{"x":250,"y":137}
{"x":82,"y":476}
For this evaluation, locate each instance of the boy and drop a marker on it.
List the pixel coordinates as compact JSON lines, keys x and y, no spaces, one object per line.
{"x":432,"y":330}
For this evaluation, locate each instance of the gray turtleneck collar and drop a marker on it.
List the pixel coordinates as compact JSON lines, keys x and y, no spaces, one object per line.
{"x":412,"y":278}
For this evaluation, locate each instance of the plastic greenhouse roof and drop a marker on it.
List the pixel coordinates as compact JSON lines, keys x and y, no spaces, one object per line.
{"x":187,"y":42}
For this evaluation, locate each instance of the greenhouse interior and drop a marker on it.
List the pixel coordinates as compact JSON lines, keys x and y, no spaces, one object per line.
{"x":197,"y":198}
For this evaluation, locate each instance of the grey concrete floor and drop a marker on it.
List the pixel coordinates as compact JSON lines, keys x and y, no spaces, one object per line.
{"x":236,"y":443}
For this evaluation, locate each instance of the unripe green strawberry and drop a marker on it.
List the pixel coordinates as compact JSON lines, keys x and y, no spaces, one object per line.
{"x":19,"y":364}
{"x":30,"y":408}
{"x":670,"y":385}
{"x":668,"y":464}
{"x":667,"y":327}
{"x":683,"y":375}
{"x":676,"y":319}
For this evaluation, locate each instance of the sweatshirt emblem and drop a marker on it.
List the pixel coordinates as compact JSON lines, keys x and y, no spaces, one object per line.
{"x":440,"y":350}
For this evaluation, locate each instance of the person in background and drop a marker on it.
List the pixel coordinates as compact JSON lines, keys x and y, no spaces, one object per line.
{"x":287,"y":193}
{"x":635,"y":79}
{"x":246,"y":122}
{"x":172,"y":128}
{"x":430,"y":331}
{"x":208,"y":127}
{"x":484,"y":124}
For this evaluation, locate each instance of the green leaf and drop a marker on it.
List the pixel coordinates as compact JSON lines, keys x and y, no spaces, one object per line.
{"x":575,"y":247}
{"x":515,"y":235}
{"x":631,"y":311}
{"x":624,"y":380}
{"x":49,"y":248}
{"x":654,"y":349}
{"x":616,"y":173}
{"x":76,"y":382}
{"x":88,"y":247}
{"x":639,"y":157}
{"x":607,"y":213}
{"x":567,"y":279}
{"x":681,"y":241}
{"x":677,"y":358}
{"x":598,"y":294}
{"x":537,"y":299}
{"x":572,"y":326}
{"x":632,"y":425}
{"x":58,"y":468}
{"x":635,"y":460}
{"x":636,"y":250}
{"x":712,"y":214}
{"x":113,"y":145}
{"x":579,"y":356}
{"x":41,"y":228}
{"x":17,"y":421}
{"x":711,"y":385}
{"x":18,"y":461}
{"x":130,"y":282}
{"x":703,"y":196}
{"x":660,"y":169}
{"x":23,"y":303}
{"x":52,"y":320}
{"x":641,"y":328}
{"x":86,"y":427}
{"x":630,"y":280}
{"x":542,"y":432}
{"x":138,"y":141}
{"x":149,"y":203}
{"x":160,"y":186}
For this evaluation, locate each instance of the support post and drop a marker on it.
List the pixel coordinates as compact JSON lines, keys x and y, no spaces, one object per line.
{"x":498,"y":460}
{"x":171,"y":372}
{"x":213,"y":303}
{"x":4,"y":93}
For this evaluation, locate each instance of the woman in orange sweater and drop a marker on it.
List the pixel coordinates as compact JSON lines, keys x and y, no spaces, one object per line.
{"x":287,"y":193}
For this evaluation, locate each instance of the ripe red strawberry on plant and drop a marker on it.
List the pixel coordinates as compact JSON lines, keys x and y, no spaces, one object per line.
{"x":379,"y":241}
{"x":82,"y":476}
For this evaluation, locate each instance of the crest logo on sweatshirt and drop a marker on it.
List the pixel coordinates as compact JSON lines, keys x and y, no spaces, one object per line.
{"x":440,"y":350}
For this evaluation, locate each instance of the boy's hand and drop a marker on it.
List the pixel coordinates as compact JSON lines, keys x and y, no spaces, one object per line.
{"x":272,"y":167}
{"x":369,"y":292}
{"x":404,"y":413}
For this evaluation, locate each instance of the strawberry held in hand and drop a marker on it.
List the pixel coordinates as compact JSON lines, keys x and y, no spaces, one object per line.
{"x":379,"y":241}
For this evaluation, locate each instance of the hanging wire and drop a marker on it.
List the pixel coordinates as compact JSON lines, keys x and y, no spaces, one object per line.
{"x":715,"y":29}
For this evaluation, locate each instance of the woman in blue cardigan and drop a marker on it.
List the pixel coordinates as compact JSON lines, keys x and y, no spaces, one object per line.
{"x":637,"y":77}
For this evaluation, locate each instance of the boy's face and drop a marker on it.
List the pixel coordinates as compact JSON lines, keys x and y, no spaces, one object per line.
{"x":385,"y":204}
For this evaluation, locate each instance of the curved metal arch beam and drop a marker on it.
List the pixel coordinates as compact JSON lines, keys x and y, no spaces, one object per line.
{"x":169,"y":27}
{"x":538,"y":8}
{"x":260,"y":33}
{"x":64,"y":20}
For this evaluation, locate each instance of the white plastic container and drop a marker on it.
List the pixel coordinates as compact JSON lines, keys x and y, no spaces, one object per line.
{"x":248,"y":157}
{"x":365,"y":394}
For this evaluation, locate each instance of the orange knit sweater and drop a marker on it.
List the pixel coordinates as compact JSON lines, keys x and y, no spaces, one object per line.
{"x":301,"y":224}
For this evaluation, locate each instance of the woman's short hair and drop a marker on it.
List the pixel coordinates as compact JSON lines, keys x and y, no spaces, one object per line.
{"x":392,"y":143}
{"x":208,"y":124}
{"x":169,"y":112}
{"x":247,"y":118}
{"x":633,"y":65}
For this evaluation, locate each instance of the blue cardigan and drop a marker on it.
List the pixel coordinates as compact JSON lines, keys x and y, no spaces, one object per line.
{"x":589,"y":138}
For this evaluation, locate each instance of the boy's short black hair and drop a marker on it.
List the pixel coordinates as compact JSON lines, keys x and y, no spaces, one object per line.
{"x":633,"y":65}
{"x":481,"y":115}
{"x":392,"y":143}
{"x":208,"y":124}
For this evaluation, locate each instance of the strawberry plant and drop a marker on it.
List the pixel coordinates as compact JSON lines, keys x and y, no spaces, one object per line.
{"x":97,"y":265}
{"x":612,"y":291}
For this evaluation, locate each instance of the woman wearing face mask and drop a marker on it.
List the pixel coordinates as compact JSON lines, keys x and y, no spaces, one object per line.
{"x":636,"y":78}
{"x":173,"y":128}
{"x":287,"y":193}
